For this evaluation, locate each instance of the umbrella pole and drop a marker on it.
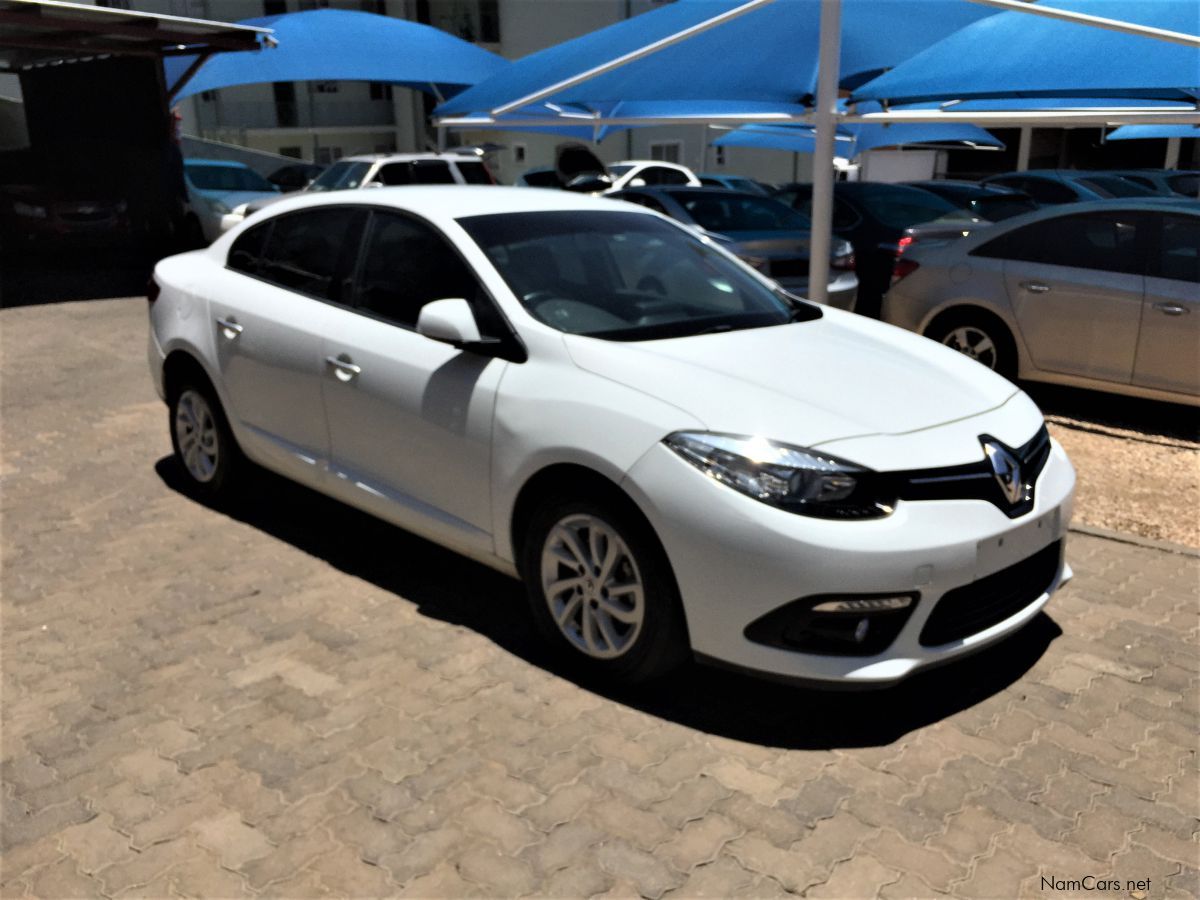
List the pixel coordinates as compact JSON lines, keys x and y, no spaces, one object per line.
{"x":828,"y":61}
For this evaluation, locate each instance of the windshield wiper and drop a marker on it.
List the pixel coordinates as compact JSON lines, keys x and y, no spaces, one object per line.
{"x":715,"y":329}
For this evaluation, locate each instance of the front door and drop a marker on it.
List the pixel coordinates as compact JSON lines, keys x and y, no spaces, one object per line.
{"x":410,"y":419}
{"x":1168,"y":355}
{"x":1075,"y":283}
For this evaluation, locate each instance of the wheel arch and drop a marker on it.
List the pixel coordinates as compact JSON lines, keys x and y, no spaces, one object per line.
{"x":962,"y":309}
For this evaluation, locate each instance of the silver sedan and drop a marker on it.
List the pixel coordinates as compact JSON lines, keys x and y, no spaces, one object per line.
{"x":1102,"y":295}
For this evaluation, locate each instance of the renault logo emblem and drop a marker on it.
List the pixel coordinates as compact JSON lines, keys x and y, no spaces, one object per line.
{"x":1007,"y":470}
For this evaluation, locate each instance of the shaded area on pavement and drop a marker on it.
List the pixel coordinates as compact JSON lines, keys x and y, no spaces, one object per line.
{"x":36,"y":276}
{"x":450,"y":588}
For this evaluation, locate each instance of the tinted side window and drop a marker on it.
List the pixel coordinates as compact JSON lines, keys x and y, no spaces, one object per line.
{"x":311,"y":251}
{"x":432,"y":171}
{"x":1046,"y":191}
{"x":406,"y":265}
{"x":1180,"y":256}
{"x":1106,"y":242}
{"x":844,"y":215}
{"x":662,"y":175}
{"x":246,"y":252}
{"x":475,"y":173}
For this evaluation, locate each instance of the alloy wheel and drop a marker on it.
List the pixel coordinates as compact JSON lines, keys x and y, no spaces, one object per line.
{"x":196,"y":435}
{"x":592,"y":586}
{"x":973,"y":342}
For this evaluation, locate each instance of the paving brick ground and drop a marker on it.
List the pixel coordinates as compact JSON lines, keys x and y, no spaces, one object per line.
{"x":290,"y":699}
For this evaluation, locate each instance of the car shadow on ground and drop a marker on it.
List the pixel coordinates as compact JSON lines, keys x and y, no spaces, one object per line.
{"x":1151,"y":418}
{"x":450,"y":588}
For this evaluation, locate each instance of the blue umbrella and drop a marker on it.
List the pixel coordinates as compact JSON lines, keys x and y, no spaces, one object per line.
{"x":768,"y":55}
{"x":1153,"y":132}
{"x":854,"y":139}
{"x":338,"y":45}
{"x":992,"y":58}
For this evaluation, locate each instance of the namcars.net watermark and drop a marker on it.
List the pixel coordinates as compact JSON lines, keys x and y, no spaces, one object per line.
{"x":1095,"y":883}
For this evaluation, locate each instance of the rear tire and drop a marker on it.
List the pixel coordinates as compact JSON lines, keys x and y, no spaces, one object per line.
{"x":602,"y":593}
{"x":204,"y":446}
{"x":980,"y":336}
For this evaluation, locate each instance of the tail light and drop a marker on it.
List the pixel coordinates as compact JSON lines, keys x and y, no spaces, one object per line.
{"x":902,"y":267}
{"x":152,"y":289}
{"x":845,"y":262}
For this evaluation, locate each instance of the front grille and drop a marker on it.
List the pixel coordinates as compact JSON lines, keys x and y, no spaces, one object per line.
{"x":974,"y":607}
{"x":976,"y":481}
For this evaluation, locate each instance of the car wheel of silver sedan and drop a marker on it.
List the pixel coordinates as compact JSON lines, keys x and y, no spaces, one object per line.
{"x":980,"y":335}
{"x":601,"y":589}
{"x":200,"y":436}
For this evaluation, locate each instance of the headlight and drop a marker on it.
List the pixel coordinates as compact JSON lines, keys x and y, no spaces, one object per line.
{"x":29,"y":210}
{"x":792,"y":478}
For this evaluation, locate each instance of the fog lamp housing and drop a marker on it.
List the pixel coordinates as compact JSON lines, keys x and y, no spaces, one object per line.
{"x":835,"y":624}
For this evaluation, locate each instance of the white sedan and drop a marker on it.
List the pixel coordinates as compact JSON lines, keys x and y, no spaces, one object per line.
{"x":677,"y":457}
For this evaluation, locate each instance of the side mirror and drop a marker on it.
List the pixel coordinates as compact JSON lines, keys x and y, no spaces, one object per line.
{"x":450,"y":321}
{"x":589,"y":183}
{"x":637,"y":182}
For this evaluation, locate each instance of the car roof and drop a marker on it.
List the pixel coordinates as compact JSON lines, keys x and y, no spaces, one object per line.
{"x":954,"y":184}
{"x":650,"y":162}
{"x":408,"y":157}
{"x":454,"y":201}
{"x":216,"y":163}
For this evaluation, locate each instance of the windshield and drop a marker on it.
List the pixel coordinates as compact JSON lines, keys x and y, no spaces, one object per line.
{"x":341,"y":176}
{"x":227,"y":178}
{"x":618,"y":171}
{"x":1115,"y":186}
{"x":625,"y":276}
{"x":739,"y":212}
{"x":902,"y":207}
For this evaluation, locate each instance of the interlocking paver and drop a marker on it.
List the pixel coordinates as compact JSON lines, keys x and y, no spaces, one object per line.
{"x":202,"y":702}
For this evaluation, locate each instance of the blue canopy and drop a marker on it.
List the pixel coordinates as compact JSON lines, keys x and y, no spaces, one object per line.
{"x":1015,"y":54}
{"x":1153,"y":132}
{"x":768,"y":55}
{"x":338,"y":45}
{"x":853,"y":139}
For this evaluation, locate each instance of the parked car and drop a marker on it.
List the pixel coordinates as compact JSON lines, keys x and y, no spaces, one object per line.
{"x":879,"y":220}
{"x":733,"y":183}
{"x":382,"y":170}
{"x":991,"y":202}
{"x":1166,"y":182}
{"x":762,"y":231}
{"x":1053,"y":186}
{"x":479,"y":366}
{"x":295,"y":176}
{"x":51,"y":215}
{"x":1102,"y":295}
{"x":216,"y":187}
{"x":577,"y":168}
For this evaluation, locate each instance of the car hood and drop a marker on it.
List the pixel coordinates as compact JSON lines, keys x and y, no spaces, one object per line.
{"x":807,"y":383}
{"x":236,"y":198}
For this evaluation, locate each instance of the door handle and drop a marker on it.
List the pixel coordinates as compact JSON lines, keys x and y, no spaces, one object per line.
{"x":230,"y":327}
{"x":343,"y":367}
{"x":1171,"y":309}
{"x":1035,"y":287}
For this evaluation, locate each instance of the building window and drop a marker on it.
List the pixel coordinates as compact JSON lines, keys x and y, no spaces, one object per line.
{"x":379,"y":7}
{"x":380,"y":90}
{"x":208,"y":96}
{"x":327,"y":155}
{"x":274,"y":7}
{"x":291,"y":152}
{"x":719,"y":156}
{"x":325,"y":87}
{"x":113,"y":4}
{"x":666,"y":151}
{"x":489,"y":21}
{"x":518,"y":153}
{"x":313,"y":4}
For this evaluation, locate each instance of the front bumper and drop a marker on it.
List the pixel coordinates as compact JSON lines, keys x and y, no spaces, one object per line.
{"x":736,"y":560}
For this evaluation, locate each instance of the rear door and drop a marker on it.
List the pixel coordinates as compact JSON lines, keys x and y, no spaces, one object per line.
{"x":1168,"y":353}
{"x":269,"y":314}
{"x":1075,"y":284}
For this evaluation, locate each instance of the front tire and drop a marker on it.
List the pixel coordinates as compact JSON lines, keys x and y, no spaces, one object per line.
{"x":203,"y":443}
{"x":602,"y":593}
{"x":981,"y":337}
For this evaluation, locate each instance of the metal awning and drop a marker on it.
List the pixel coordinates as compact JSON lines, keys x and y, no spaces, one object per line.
{"x":35,"y":33}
